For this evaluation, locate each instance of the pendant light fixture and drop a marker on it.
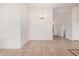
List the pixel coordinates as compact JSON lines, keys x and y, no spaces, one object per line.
{"x":42,"y":16}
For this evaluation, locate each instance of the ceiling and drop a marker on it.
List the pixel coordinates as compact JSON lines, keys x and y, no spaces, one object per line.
{"x":53,"y":5}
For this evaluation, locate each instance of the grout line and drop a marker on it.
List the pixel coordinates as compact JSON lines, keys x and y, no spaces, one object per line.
{"x":41,"y":47}
{"x":72,"y":52}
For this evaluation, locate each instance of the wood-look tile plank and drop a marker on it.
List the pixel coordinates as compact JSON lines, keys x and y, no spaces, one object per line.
{"x":36,"y":52}
{"x":28,"y":52}
{"x":45,"y":52}
{"x":3,"y":52}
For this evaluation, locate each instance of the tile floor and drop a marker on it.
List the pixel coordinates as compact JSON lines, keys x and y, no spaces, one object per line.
{"x":56,"y":47}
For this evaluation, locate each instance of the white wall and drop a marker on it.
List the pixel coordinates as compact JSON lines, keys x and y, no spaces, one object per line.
{"x":64,"y":19}
{"x":9,"y":26}
{"x":59,"y":12}
{"x":40,"y":29}
{"x":24,"y":24}
{"x":13,"y":25}
{"x":58,"y":15}
{"x":75,"y":23}
{"x":67,"y":20}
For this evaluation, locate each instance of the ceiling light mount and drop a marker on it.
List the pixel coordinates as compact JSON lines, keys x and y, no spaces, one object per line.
{"x":42,"y":16}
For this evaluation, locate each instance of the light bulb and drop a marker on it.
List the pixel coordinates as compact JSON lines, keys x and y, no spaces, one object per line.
{"x":42,"y":17}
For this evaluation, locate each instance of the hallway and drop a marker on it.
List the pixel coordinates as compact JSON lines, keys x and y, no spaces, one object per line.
{"x":55,"y":47}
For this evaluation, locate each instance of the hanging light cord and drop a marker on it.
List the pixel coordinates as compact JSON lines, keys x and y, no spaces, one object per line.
{"x":41,"y":8}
